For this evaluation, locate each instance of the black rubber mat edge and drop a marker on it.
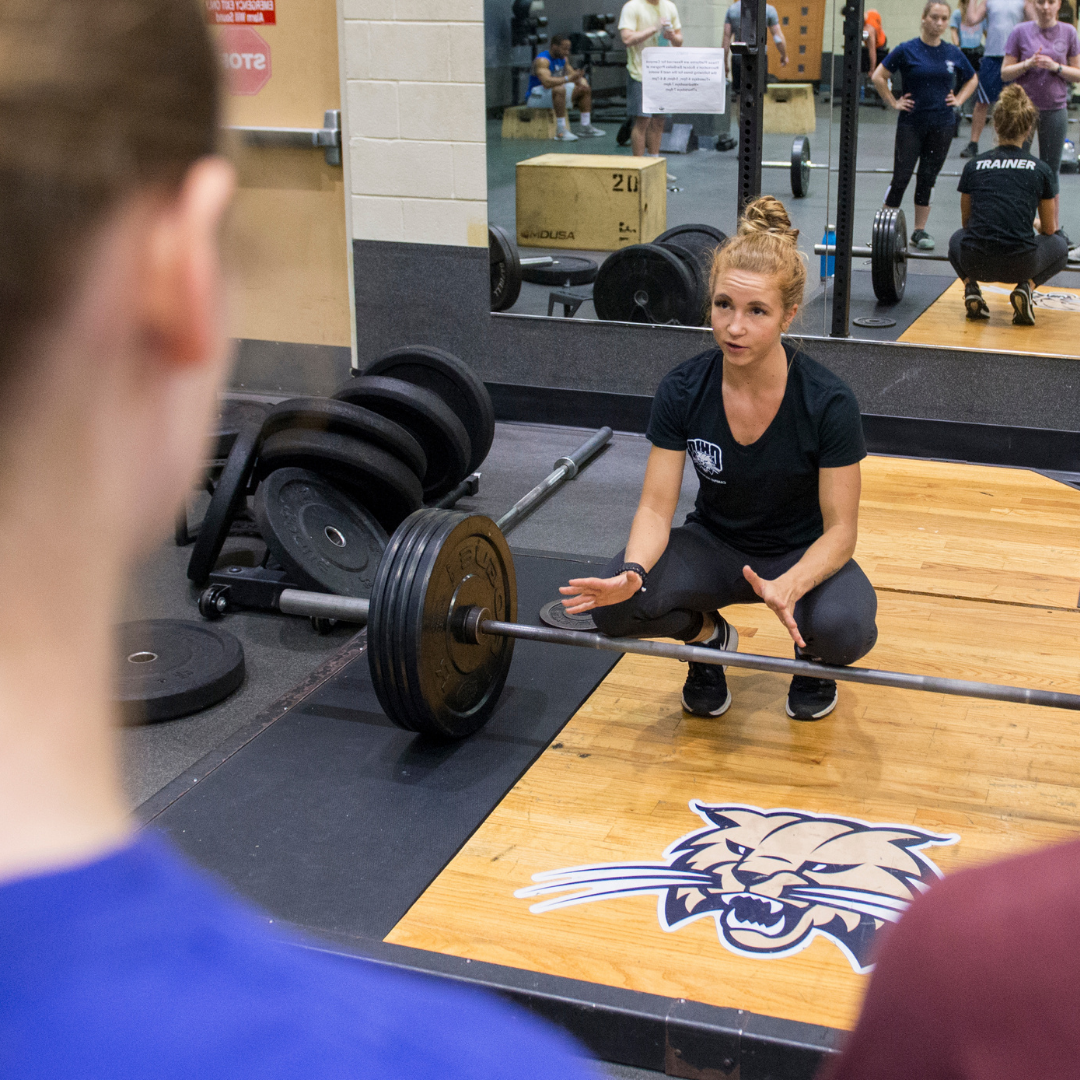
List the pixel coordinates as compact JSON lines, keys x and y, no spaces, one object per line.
{"x":628,"y":1027}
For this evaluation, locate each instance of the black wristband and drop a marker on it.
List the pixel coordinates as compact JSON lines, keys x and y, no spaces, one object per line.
{"x":638,"y":569}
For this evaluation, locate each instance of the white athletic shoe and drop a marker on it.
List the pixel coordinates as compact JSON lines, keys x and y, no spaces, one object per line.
{"x":591,"y":132}
{"x":565,"y":136}
{"x":1074,"y":254}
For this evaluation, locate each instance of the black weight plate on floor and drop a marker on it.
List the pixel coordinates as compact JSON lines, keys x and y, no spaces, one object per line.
{"x":700,"y":243}
{"x":430,"y":420}
{"x":380,"y":622}
{"x":700,"y":279}
{"x":562,"y":270}
{"x":800,"y":167}
{"x":226,"y":501}
{"x":646,"y":283}
{"x":327,"y":414}
{"x":505,"y":269}
{"x":888,"y":255}
{"x":452,"y":688}
{"x":322,"y":537}
{"x":554,"y":614}
{"x":165,"y":668}
{"x":454,"y":381}
{"x":388,"y":488}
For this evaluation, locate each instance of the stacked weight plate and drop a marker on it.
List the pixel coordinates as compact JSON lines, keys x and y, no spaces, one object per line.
{"x":332,"y":478}
{"x":666,"y":281}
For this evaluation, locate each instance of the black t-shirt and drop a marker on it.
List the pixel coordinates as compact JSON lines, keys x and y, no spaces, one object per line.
{"x":1005,"y":185}
{"x":761,"y":499}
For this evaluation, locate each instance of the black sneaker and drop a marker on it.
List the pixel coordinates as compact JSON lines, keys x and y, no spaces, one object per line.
{"x":974,"y":302}
{"x":970,"y":150}
{"x":1023,"y":305}
{"x":810,"y":699}
{"x":705,"y":692}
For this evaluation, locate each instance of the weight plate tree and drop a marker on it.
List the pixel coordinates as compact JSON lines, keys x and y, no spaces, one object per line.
{"x":888,"y":255}
{"x":454,"y":381}
{"x":426,"y":677}
{"x":505,"y":269}
{"x":386,"y":486}
{"x":341,"y":418}
{"x":800,"y":167}
{"x":563,"y":270}
{"x":228,"y":497}
{"x":427,"y":417}
{"x":646,"y":283}
{"x":165,"y":668}
{"x":323,"y":539}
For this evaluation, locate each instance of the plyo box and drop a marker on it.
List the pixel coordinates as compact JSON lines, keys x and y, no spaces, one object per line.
{"x":591,"y":202}
{"x":789,"y":109}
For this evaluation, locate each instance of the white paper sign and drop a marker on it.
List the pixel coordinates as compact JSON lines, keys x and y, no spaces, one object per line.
{"x":683,"y":80}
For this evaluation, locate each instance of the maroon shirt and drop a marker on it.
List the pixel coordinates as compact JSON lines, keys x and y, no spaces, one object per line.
{"x":979,"y":979}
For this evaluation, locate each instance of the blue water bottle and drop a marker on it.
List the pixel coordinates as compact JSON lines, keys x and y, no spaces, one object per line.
{"x":828,"y":262}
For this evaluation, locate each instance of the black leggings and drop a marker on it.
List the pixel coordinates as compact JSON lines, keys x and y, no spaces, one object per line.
{"x":1047,"y":258}
{"x":699,"y":573}
{"x":919,"y":142}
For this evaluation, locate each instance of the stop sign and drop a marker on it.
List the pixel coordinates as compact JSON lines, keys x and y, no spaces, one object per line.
{"x":246,"y":58}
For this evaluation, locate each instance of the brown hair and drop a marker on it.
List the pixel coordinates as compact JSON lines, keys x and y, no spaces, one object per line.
{"x":98,"y":98}
{"x":1014,"y":114}
{"x":933,"y":4}
{"x":766,"y":244}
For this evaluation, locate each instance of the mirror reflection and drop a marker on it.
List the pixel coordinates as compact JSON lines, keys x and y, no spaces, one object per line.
{"x":583,"y":177}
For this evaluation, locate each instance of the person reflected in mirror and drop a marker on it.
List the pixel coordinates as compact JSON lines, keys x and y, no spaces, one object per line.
{"x":732,"y":23}
{"x":1000,"y":192}
{"x":775,"y":441}
{"x":968,"y":38}
{"x":551,"y":80}
{"x":1044,"y":58}
{"x":119,"y":958}
{"x":875,"y":46}
{"x":1001,"y":17}
{"x":644,"y":24}
{"x":925,"y":127}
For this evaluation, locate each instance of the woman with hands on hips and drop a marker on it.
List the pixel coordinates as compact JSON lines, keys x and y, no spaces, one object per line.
{"x":776,"y":440}
{"x":927,"y":120}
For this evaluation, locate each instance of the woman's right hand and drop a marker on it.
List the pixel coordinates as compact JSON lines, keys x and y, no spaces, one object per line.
{"x":584,"y":594}
{"x":904,"y":104}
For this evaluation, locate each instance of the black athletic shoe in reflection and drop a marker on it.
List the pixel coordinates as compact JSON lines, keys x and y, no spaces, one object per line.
{"x":810,"y":699}
{"x":705,"y":692}
{"x":971,"y":150}
{"x":974,"y":302}
{"x":1023,"y":305}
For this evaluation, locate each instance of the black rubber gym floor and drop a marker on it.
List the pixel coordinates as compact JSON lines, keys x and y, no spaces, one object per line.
{"x":333,"y":819}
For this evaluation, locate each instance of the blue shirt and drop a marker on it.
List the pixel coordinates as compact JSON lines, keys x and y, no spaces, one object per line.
{"x":929,"y":74}
{"x":970,"y":36}
{"x":136,"y":967}
{"x":555,"y":66}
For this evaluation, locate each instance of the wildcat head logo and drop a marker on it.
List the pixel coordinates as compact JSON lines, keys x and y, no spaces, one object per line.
{"x":705,"y":456}
{"x":771,"y":879}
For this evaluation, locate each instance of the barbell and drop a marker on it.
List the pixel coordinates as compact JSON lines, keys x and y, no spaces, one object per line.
{"x":888,"y":254}
{"x":801,"y":166}
{"x":441,"y":630}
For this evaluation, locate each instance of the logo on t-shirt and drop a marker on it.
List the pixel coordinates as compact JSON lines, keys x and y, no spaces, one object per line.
{"x":705,"y":456}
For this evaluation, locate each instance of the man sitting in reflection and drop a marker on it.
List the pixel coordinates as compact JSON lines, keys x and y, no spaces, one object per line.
{"x":551,"y":75}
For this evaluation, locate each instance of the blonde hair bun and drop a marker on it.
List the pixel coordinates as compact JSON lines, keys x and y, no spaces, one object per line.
{"x":766,"y":214}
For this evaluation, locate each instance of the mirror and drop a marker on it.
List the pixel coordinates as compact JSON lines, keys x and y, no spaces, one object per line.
{"x":532,"y":173}
{"x":932,"y":310}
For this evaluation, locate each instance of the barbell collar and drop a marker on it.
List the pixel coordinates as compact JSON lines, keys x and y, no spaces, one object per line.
{"x":1019,"y":695}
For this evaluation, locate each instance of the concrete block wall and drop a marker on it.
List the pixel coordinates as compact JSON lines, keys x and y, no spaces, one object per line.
{"x":414,"y":120}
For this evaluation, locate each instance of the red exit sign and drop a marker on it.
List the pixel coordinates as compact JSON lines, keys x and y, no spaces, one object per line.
{"x":233,"y":12}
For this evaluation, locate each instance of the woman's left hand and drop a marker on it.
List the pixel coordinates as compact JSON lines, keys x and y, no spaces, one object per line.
{"x":1044,"y":61}
{"x":781,"y":598}
{"x":950,"y":98}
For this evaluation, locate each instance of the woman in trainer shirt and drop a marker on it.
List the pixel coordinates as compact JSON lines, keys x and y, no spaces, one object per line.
{"x":927,"y":119}
{"x":776,"y":441}
{"x":1044,"y":57}
{"x":1000,"y":192}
